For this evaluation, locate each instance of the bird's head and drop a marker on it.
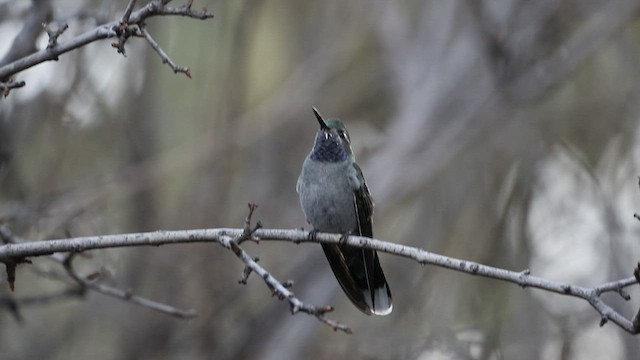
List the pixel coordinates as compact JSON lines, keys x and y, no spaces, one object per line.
{"x":332,"y":140}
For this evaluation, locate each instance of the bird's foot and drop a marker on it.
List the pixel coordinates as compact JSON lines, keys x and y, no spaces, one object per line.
{"x":313,"y":234}
{"x":343,"y":238}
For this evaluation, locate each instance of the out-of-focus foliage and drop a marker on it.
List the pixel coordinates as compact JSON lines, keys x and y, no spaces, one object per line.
{"x":500,"y":132}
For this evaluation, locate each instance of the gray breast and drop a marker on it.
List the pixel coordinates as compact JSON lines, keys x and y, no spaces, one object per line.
{"x":326,"y":195}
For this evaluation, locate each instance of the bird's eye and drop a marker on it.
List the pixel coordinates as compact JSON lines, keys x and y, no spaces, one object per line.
{"x":343,"y":135}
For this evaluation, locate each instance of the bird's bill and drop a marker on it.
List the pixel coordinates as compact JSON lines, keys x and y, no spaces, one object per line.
{"x":323,"y":125}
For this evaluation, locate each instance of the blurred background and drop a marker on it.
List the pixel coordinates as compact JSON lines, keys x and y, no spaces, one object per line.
{"x":503,"y":132}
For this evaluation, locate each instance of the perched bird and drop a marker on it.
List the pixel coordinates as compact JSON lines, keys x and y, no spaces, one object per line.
{"x":335,"y":199}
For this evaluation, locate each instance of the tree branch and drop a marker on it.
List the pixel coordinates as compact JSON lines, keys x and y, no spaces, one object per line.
{"x":115,"y":29}
{"x":127,"y":12}
{"x":163,"y":55}
{"x":281,"y":290}
{"x":89,"y":282}
{"x":24,"y":43}
{"x":227,"y":237}
{"x":5,"y":87}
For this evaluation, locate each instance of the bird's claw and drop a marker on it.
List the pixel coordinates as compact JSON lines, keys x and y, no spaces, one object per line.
{"x":343,"y":238}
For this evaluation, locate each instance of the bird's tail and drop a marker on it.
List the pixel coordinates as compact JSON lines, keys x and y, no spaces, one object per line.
{"x":360,"y":275}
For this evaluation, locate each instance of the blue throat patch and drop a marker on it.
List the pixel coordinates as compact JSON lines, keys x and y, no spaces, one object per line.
{"x":328,"y":150}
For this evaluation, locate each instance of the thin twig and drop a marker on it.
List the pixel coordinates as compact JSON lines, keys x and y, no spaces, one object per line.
{"x":282,"y":291}
{"x":278,"y":288}
{"x":636,"y":318}
{"x":86,"y":282}
{"x":163,"y":55}
{"x":247,"y":231}
{"x":127,"y":12}
{"x":5,"y":87}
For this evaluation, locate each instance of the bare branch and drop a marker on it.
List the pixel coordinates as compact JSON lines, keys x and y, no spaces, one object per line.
{"x":163,"y":55}
{"x":109,"y":30}
{"x":636,"y":318}
{"x":89,"y":282}
{"x":225,"y":236}
{"x":582,"y":43}
{"x":5,"y":87}
{"x":247,"y":233}
{"x":24,"y":43}
{"x":86,"y":282}
{"x":127,"y":12}
{"x":282,"y":291}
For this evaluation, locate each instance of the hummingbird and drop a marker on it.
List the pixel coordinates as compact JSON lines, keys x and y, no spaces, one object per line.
{"x":335,"y":199}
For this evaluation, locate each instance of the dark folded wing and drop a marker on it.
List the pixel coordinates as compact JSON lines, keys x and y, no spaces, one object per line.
{"x":364,"y":206}
{"x":378,"y":294}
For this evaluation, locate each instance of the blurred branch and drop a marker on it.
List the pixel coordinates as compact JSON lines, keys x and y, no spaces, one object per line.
{"x":122,"y":29}
{"x":25,"y":42}
{"x":13,"y":305}
{"x":565,"y":59}
{"x":229,"y":238}
{"x":84,"y":283}
{"x":636,"y":318}
{"x":88,"y":282}
{"x":5,"y":87}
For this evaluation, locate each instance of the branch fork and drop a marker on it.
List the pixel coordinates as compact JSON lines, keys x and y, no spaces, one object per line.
{"x":278,"y":289}
{"x":54,"y":34}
